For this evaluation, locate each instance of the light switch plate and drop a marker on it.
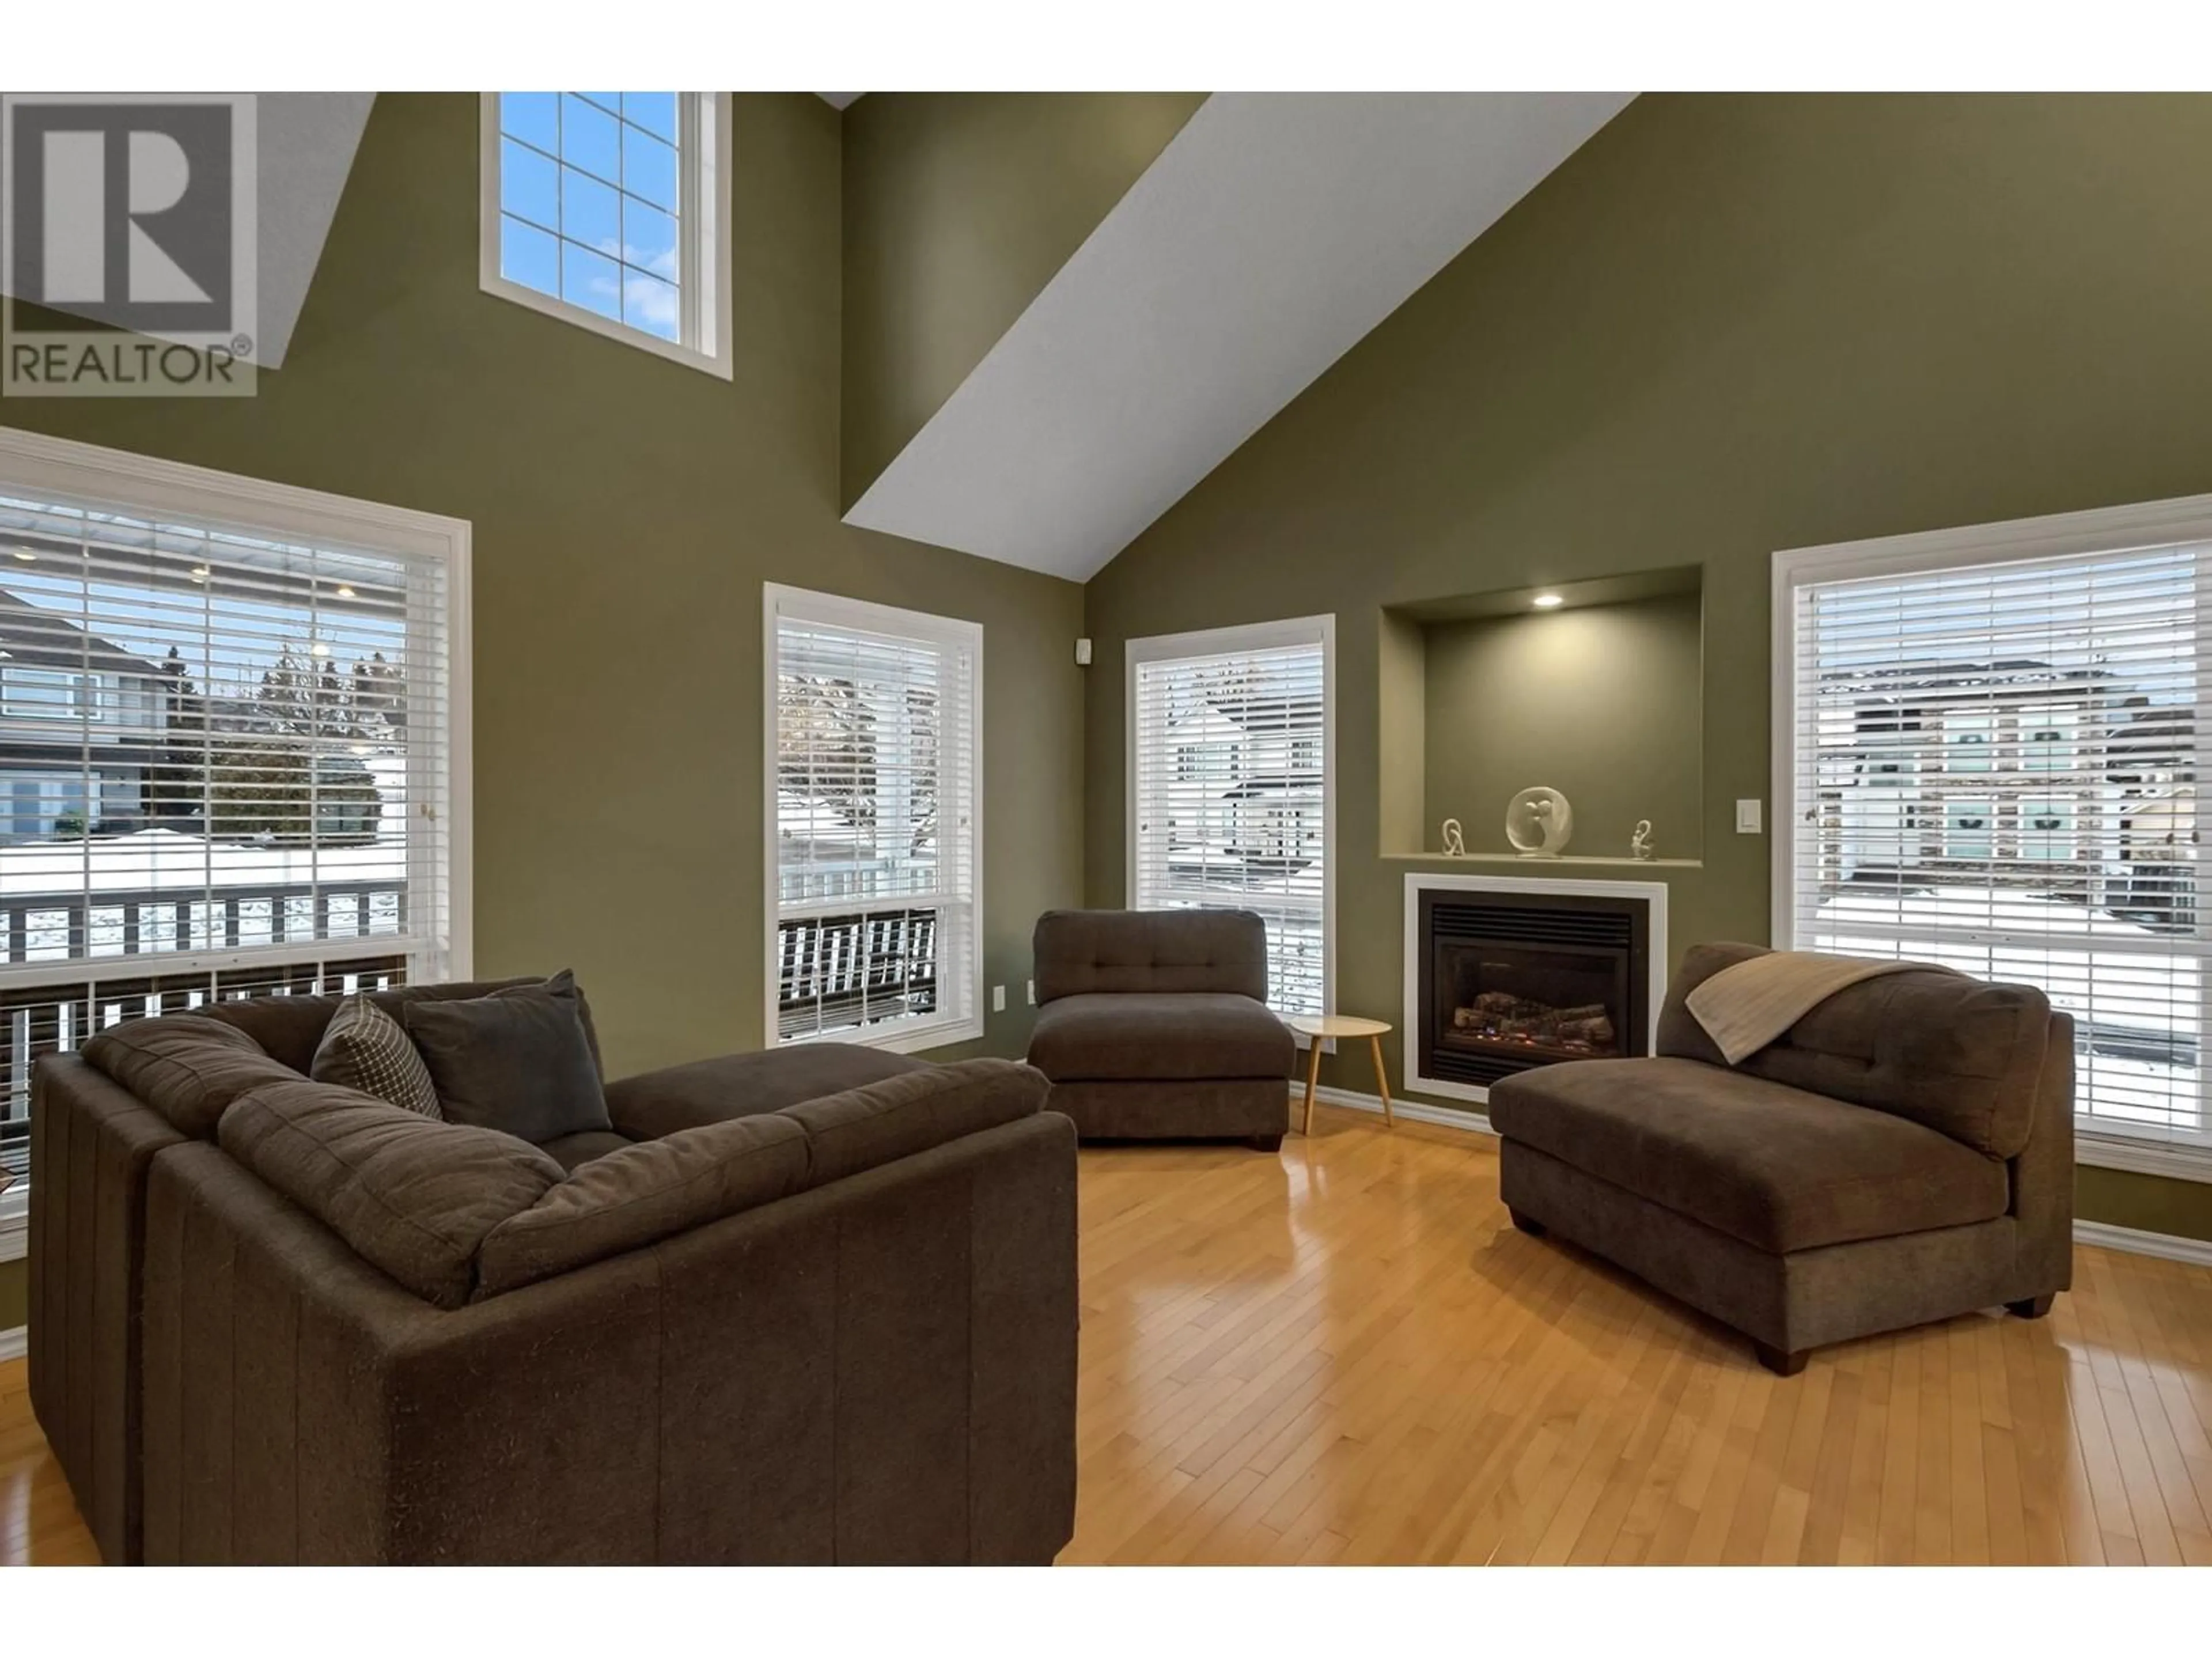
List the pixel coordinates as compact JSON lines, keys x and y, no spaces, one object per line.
{"x":1032,"y":994}
{"x":998,"y":998}
{"x":1748,"y":819}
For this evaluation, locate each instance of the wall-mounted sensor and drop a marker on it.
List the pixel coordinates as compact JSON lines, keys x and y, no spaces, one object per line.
{"x":1083,"y":654}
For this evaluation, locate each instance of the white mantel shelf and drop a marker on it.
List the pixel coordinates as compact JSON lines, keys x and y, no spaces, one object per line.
{"x":1536,"y":867}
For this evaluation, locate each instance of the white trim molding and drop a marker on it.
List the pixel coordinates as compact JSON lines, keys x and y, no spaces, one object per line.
{"x":2151,"y":1157}
{"x":704,"y":276}
{"x":1414,"y":1111}
{"x":2168,"y":1247}
{"x":1652,"y":893}
{"x":15,"y":1344}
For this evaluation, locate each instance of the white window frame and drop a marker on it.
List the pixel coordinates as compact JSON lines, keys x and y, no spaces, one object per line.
{"x":1214,"y":641}
{"x":35,"y":464}
{"x":2104,"y":529}
{"x":704,"y":273}
{"x":914,"y":1032}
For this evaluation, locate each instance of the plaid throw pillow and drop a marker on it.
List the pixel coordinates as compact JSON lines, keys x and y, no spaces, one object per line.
{"x":366,"y":1048}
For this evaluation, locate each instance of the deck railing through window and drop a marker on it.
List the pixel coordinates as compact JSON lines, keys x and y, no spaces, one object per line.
{"x":837,"y":973}
{"x":129,"y":936}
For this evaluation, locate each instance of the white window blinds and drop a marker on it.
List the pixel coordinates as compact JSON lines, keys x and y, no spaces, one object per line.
{"x":874,"y":751}
{"x":1230,"y":788}
{"x":1995,"y":768}
{"x":224,"y":765}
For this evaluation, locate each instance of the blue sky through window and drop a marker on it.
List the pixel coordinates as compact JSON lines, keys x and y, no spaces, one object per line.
{"x":590,"y":202}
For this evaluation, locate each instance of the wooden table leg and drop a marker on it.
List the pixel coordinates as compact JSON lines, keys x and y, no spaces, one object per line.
{"x":1382,"y":1082}
{"x":1313,"y":1080}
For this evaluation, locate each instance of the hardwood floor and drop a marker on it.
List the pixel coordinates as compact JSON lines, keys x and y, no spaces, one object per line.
{"x":38,"y":1523}
{"x":1344,"y":1353}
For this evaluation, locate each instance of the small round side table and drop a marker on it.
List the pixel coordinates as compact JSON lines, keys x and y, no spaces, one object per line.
{"x":1317,"y":1031}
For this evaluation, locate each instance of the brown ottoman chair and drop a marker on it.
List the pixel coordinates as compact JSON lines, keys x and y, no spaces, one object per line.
{"x":1904,"y":1153}
{"x":1153,"y":1025}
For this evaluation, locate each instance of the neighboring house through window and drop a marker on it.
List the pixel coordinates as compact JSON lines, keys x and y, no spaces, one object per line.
{"x":611,"y":211}
{"x":1231,"y":791}
{"x":1987,"y":750}
{"x":229,"y":716}
{"x":874,"y":748}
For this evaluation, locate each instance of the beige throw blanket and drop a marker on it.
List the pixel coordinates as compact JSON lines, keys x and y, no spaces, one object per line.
{"x":1746,"y":1007}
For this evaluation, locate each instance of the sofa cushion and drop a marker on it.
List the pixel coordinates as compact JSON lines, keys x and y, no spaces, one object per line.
{"x":516,"y":1060}
{"x":642,"y":1193}
{"x":188,"y":1067}
{"x":655,"y":1104}
{"x":911,"y":1113}
{"x":1774,"y":1166}
{"x":364,"y":1048}
{"x":572,"y":1153}
{"x":415,"y":1196}
{"x":1098,"y":1038}
{"x":1958,"y":1054}
{"x":1080,"y":951}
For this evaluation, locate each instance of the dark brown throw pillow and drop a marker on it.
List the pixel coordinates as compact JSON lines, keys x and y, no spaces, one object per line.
{"x":516,"y":1060}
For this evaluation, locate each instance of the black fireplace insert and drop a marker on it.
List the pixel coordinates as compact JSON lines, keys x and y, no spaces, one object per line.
{"x":1509,"y":981}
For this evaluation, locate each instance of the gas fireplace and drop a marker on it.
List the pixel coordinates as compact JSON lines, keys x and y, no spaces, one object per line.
{"x":1513,"y":974}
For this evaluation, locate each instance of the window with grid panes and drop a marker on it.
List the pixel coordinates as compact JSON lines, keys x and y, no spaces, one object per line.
{"x":607,"y":209}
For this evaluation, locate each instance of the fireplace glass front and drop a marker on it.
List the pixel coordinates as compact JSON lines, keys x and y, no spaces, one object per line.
{"x":1511,"y":981}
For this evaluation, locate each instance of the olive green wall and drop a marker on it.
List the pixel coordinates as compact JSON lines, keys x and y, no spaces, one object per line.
{"x":959,"y":207}
{"x":14,"y":1294}
{"x":1727,"y":325}
{"x":627,"y":511}
{"x":1600,"y":704}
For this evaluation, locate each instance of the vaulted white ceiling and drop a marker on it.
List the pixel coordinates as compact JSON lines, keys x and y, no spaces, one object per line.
{"x":1274,"y":232}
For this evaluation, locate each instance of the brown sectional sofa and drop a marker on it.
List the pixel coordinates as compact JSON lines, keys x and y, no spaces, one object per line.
{"x":1903,"y":1154}
{"x":1154,"y":1024}
{"x":811,"y":1306}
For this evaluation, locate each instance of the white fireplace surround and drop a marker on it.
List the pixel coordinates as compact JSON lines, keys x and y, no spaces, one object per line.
{"x":1653,"y":895}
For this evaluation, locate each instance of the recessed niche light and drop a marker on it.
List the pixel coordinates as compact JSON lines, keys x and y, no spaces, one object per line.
{"x":26,"y":556}
{"x":344,"y":593}
{"x":1548,"y":601}
{"x":199,"y":572}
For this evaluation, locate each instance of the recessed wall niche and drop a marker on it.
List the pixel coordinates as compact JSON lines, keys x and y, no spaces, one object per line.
{"x":1601,"y":696}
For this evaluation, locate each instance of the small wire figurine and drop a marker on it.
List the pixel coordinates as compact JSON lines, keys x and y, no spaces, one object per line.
{"x":1454,"y":842}
{"x":1639,"y":844}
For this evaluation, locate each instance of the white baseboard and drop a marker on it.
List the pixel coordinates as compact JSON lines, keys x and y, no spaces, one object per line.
{"x":2170,"y":1247}
{"x":1413,"y":1111}
{"x":14,"y":1343}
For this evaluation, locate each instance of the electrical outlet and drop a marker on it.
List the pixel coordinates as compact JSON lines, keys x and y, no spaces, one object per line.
{"x":1749,"y":821}
{"x":998,"y":998}
{"x":1032,"y":994}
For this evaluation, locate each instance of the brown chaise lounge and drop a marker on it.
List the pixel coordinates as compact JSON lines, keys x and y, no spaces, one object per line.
{"x":1153,"y":1025}
{"x":817,"y":1305}
{"x":1904,"y":1153}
